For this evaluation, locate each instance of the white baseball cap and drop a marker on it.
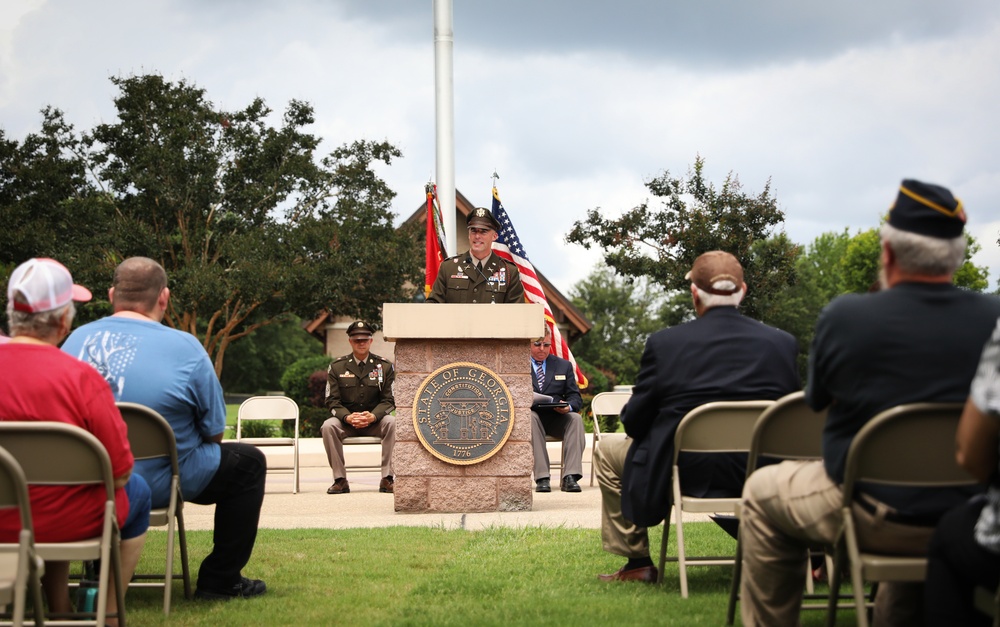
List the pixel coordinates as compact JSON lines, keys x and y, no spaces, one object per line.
{"x":43,"y":285}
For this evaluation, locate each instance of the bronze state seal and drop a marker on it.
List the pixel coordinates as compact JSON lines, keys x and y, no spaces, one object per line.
{"x":463,"y":413}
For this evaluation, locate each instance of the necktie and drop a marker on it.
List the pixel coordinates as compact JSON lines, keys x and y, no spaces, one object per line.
{"x":539,"y":376}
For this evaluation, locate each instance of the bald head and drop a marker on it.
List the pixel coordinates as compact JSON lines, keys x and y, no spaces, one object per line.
{"x":137,"y":286}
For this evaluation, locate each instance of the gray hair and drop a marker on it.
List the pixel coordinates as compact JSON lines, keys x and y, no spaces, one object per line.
{"x":720,"y":300}
{"x":41,"y":325}
{"x":922,"y":254}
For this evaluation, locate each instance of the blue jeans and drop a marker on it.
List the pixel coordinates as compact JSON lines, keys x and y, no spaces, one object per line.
{"x":139,"y":503}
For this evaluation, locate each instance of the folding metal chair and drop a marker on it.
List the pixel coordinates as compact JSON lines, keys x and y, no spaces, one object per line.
{"x":150,"y":437}
{"x":720,"y":427}
{"x":908,"y":445}
{"x":787,"y":430}
{"x":272,"y":408}
{"x":56,"y":453}
{"x":20,"y":567}
{"x":604,"y":404}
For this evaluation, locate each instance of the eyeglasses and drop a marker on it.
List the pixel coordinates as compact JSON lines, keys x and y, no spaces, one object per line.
{"x":541,"y":344}
{"x":477,"y":231}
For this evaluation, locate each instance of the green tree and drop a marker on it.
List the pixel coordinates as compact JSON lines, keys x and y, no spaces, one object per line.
{"x":255,"y":364}
{"x":251,"y":224}
{"x":662,"y":243}
{"x":622,"y":314}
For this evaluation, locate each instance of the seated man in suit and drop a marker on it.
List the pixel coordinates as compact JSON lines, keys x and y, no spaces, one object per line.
{"x":719,"y":356}
{"x":917,"y":340}
{"x":555,"y":377}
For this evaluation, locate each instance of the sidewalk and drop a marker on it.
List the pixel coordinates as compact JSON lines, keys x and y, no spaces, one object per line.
{"x":365,"y":506}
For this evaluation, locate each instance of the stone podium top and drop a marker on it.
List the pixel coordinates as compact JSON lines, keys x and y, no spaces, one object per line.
{"x":441,"y":320}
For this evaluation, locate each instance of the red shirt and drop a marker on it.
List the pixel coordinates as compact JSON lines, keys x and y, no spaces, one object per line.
{"x":42,"y":383}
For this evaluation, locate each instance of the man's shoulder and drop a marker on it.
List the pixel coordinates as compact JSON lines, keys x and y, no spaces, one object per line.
{"x":558,"y":361}
{"x":511,"y":266}
{"x":380,"y":359}
{"x":340,"y":361}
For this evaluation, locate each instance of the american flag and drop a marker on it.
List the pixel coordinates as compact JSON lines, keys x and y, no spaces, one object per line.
{"x":508,"y":246}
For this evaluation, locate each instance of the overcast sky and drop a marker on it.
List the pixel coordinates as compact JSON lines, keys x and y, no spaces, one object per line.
{"x":574,"y":103}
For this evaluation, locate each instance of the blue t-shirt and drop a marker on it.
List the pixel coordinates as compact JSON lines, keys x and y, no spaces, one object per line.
{"x":169,"y":371}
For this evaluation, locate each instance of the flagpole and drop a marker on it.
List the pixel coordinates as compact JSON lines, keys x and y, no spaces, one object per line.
{"x":444,"y":110}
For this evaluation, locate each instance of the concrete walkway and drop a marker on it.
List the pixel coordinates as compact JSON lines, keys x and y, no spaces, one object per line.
{"x":364,"y":506}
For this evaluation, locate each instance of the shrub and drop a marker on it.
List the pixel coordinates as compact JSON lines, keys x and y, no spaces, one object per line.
{"x":311,"y":419}
{"x":295,"y":380}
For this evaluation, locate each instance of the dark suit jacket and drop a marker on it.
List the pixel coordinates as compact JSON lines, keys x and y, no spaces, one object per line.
{"x":721,"y":356}
{"x":560,"y":382}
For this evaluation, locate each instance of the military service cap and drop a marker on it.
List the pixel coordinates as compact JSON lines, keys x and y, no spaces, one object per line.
{"x":359,"y":328}
{"x":482,"y":217}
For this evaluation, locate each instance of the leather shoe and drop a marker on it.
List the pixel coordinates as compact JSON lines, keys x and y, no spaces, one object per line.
{"x":386,"y":485}
{"x":542,"y":485}
{"x":340,"y":486}
{"x":245,"y":589}
{"x":569,"y":484}
{"x":645,"y":574}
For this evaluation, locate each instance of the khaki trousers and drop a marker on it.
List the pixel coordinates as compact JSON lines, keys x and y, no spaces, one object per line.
{"x":566,"y":427}
{"x":334,"y":431}
{"x":793,"y":505}
{"x":618,"y":535}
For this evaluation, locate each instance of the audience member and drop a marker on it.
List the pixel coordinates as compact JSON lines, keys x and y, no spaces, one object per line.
{"x":41,"y":383}
{"x":965,"y":549}
{"x":478,"y":275}
{"x":167,"y":370}
{"x":917,"y":340}
{"x":720,"y":356}
{"x":555,"y":377}
{"x":359,"y":395}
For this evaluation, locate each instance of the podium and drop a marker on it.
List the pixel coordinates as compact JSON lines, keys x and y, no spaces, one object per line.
{"x":463,"y":401}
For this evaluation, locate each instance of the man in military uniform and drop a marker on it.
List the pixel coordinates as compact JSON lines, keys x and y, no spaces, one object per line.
{"x":359,"y":395}
{"x":478,"y":275}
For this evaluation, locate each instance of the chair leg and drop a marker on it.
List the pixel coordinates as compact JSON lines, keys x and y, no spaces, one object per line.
{"x":835,"y":567}
{"x":168,"y":573}
{"x":663,"y":549}
{"x":681,"y":556}
{"x":734,"y":588}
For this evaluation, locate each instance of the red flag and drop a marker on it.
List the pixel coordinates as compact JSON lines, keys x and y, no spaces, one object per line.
{"x":435,"y":239}
{"x":508,"y":246}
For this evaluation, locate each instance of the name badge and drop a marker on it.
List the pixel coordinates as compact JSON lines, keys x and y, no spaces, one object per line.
{"x":560,"y":377}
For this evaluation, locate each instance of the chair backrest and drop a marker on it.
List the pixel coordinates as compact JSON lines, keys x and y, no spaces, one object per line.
{"x":14,"y":487}
{"x":149,"y":433}
{"x":788,"y":429}
{"x":609,"y":403}
{"x":267,"y":408}
{"x":907,"y":445}
{"x":718,"y":427}
{"x":56,"y":453}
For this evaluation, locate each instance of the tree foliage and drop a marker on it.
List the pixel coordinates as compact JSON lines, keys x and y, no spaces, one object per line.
{"x":623,"y":315}
{"x":249,"y":222}
{"x":662,"y":243}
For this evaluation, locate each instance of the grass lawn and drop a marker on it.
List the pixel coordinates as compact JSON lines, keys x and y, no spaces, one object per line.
{"x":432,"y":576}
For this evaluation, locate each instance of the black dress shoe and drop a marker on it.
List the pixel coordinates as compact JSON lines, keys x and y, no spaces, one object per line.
{"x":245,"y":589}
{"x":542,"y":485}
{"x":569,"y":484}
